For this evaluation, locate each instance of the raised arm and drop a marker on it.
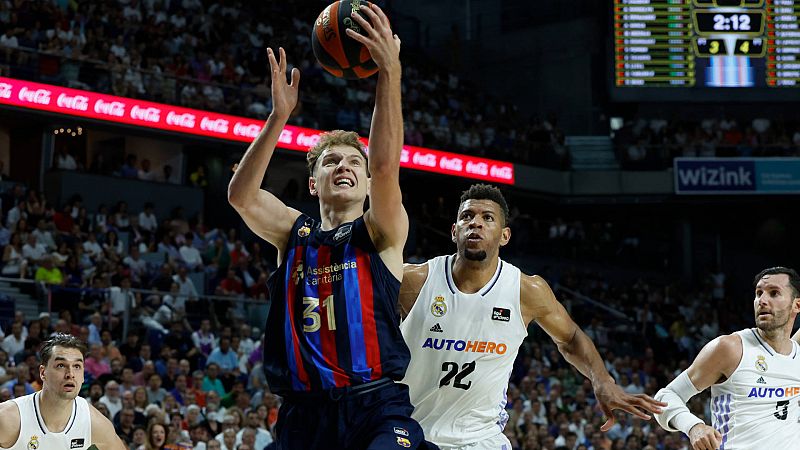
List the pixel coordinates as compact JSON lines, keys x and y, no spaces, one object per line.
{"x":387,"y":219}
{"x":540,"y":304}
{"x":796,"y":336}
{"x":715,"y":362}
{"x":264,"y":213}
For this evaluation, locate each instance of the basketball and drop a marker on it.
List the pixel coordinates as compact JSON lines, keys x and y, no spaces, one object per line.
{"x":336,"y":52}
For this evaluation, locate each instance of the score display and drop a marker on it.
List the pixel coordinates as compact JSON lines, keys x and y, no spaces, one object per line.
{"x":697,"y":44}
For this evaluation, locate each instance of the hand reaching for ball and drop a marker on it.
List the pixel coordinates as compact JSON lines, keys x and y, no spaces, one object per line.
{"x":284,"y":95}
{"x":383,"y":45}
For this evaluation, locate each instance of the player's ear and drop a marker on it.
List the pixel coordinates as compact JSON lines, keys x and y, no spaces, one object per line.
{"x":453,"y":233}
{"x":505,"y":237}
{"x":312,"y":186}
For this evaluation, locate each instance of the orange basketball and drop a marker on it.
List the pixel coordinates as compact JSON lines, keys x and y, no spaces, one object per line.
{"x":336,"y":52}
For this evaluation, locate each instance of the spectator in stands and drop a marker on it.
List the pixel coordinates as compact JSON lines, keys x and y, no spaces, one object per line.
{"x":186,"y":288}
{"x":112,"y":398}
{"x":204,"y":338}
{"x":231,"y":285}
{"x":137,"y":266}
{"x":129,"y":169}
{"x":64,"y":160}
{"x":145,"y":174}
{"x":126,"y":427}
{"x":33,"y":250}
{"x":155,"y":393}
{"x":211,"y":382}
{"x":261,"y":437}
{"x":14,"y":263}
{"x":48,"y":273}
{"x":225,"y":357}
{"x":113,"y":248}
{"x":93,"y":248}
{"x":198,"y":177}
{"x":217,"y":258}
{"x":101,"y":219}
{"x":22,"y":378}
{"x":96,"y":364}
{"x":14,"y":342}
{"x":190,"y":255}
{"x":156,"y":436}
{"x":166,"y":176}
{"x":43,"y":235}
{"x":147,"y":219}
{"x":121,"y":219}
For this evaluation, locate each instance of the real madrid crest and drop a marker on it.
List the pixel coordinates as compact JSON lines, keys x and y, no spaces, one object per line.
{"x":761,"y":363}
{"x":438,"y":308}
{"x":33,"y":444}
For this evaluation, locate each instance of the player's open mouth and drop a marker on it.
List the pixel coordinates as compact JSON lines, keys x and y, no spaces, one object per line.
{"x":344,"y":182}
{"x":69,"y":387}
{"x":474,"y":238}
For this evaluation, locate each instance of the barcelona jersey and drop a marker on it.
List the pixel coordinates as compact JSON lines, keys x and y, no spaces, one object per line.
{"x":332,"y":318}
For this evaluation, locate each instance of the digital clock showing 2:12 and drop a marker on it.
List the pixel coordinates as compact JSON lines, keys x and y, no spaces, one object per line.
{"x":708,"y":22}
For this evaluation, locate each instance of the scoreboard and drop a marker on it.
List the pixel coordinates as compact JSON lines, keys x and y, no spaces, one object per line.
{"x":698,"y":44}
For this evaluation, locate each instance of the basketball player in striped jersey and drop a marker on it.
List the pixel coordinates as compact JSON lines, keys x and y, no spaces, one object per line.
{"x":333,"y":346}
{"x":55,"y":417}
{"x":754,"y":376}
{"x":465,"y":316}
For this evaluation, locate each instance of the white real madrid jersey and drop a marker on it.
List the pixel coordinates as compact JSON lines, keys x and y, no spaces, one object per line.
{"x":34,"y":435}
{"x":758,"y":407}
{"x":463,"y":348}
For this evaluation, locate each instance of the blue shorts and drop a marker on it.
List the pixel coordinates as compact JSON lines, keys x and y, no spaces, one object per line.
{"x":375,"y":416}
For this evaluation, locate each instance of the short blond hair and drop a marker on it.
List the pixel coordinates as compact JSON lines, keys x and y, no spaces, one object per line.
{"x":331,"y":139}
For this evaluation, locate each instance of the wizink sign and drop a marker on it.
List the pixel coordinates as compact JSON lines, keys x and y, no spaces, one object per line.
{"x":737,"y":176}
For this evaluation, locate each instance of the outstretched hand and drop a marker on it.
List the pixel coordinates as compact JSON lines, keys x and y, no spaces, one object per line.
{"x":284,"y":95}
{"x":383,"y":45}
{"x":610,"y":397}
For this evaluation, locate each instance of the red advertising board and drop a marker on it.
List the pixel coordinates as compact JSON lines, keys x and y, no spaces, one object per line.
{"x":109,"y":108}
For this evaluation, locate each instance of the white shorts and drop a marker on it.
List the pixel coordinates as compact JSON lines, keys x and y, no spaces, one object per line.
{"x":496,"y":442}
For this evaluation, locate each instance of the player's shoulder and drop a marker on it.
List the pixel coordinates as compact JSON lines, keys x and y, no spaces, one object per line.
{"x":415,"y":274}
{"x":416,"y":270}
{"x":534,"y":284}
{"x":726,"y":344}
{"x":10,"y":425}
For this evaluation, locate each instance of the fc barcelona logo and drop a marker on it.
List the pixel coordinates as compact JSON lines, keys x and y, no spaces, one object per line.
{"x":439,"y":308}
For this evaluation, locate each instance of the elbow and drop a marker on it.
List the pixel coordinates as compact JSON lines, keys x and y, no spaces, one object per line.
{"x":235,"y":197}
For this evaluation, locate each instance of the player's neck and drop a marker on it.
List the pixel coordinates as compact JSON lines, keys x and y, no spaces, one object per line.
{"x":55,"y":411}
{"x":778,"y":339}
{"x":470,"y":276}
{"x":333,"y":216}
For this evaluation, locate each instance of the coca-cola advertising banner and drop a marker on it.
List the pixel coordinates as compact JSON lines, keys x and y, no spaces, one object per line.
{"x":75,"y":102}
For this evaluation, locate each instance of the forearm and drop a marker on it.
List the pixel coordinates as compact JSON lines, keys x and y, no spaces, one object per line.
{"x":796,"y":336}
{"x":250,"y":172}
{"x":582,"y":354}
{"x":386,"y":133}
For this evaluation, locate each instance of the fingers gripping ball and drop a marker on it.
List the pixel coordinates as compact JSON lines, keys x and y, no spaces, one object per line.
{"x":336,"y":52}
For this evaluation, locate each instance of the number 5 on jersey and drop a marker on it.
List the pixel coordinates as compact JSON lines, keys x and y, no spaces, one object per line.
{"x":310,"y":313}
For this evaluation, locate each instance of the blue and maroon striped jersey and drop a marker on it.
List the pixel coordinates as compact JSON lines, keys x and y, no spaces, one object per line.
{"x":332,"y":319}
